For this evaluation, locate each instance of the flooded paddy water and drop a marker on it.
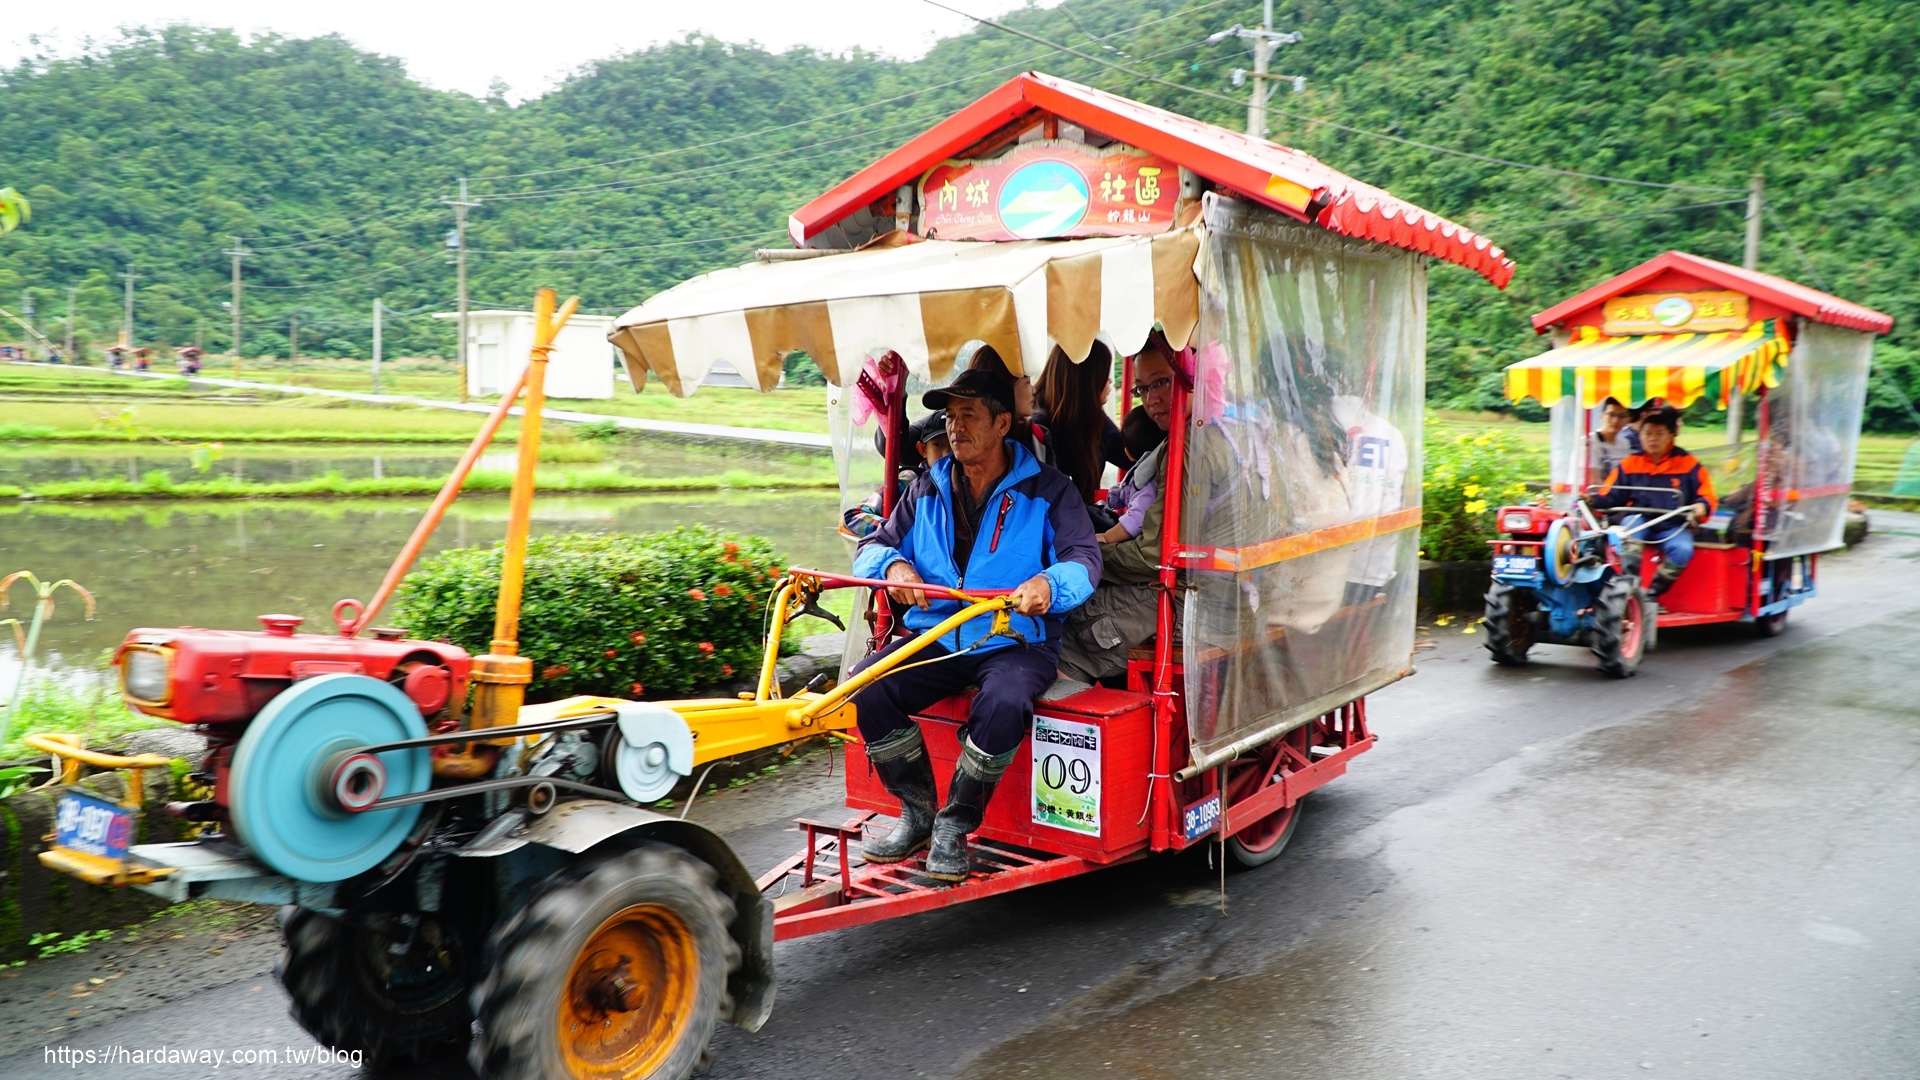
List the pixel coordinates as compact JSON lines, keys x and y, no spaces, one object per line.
{"x":223,"y":563}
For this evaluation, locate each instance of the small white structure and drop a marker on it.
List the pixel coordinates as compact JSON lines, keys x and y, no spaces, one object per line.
{"x":581,"y":364}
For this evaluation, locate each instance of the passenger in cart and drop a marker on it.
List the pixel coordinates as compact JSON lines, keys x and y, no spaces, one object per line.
{"x":1616,"y":437}
{"x":1662,"y":478}
{"x":988,"y":516}
{"x":1124,"y":512}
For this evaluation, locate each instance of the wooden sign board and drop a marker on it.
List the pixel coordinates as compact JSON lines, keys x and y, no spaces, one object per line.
{"x":1674,"y":313}
{"x":1050,"y":188}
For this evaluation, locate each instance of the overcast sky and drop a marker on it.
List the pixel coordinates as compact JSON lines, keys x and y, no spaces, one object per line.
{"x":464,"y":46}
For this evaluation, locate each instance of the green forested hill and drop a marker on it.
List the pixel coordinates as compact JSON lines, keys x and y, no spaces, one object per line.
{"x":657,"y":164}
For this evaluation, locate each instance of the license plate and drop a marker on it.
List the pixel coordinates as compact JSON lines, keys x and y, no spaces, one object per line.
{"x":92,"y":826}
{"x":1516,"y":564}
{"x":1202,"y":817}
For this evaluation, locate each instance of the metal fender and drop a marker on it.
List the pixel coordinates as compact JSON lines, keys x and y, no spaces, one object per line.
{"x":579,"y":825}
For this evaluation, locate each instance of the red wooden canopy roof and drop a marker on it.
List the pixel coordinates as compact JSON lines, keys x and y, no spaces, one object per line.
{"x":1678,"y":271}
{"x":1267,"y":173}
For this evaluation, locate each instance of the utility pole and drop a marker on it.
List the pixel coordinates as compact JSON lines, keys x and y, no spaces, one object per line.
{"x":1750,"y":259}
{"x":126,"y":325}
{"x":239,"y":249}
{"x":71,"y":291}
{"x":293,"y":349}
{"x":26,"y":312}
{"x":460,"y":206}
{"x":376,"y":346}
{"x":1264,"y":41}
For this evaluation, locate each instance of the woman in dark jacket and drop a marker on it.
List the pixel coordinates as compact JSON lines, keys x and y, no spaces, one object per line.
{"x":1069,"y":404}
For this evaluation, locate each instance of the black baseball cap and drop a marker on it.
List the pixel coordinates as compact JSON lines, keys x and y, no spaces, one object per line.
{"x":929,"y":427}
{"x":973,"y":383}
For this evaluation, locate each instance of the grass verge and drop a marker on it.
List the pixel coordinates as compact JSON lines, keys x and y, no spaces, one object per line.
{"x":158,"y":485}
{"x":93,"y":709}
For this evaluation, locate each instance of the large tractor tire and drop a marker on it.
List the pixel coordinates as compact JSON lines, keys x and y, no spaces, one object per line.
{"x":1508,"y":624}
{"x":389,"y":987}
{"x":615,"y":970}
{"x":1622,"y":626}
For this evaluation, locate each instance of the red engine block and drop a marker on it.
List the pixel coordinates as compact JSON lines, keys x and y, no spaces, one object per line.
{"x":222,"y":677}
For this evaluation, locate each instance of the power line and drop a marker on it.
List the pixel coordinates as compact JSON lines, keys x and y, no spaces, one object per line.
{"x":630,"y":247}
{"x":1805,"y":263}
{"x":851,"y":109}
{"x":350,"y":280}
{"x":1504,"y":229}
{"x":1326,"y":123}
{"x":342,"y":237}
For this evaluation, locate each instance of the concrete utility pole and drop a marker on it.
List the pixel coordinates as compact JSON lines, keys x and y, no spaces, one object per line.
{"x":1264,"y":41}
{"x":26,"y":312}
{"x":376,"y":346}
{"x":239,"y":249}
{"x":71,"y":291}
{"x":1750,"y":259}
{"x":293,"y":348}
{"x":126,"y":325}
{"x":460,"y":206}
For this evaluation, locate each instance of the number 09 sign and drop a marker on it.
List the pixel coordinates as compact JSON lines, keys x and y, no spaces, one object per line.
{"x":1066,"y":775}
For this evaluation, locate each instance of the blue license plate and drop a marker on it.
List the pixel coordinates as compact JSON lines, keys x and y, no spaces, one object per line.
{"x":1202,"y":817}
{"x":92,"y":826}
{"x":1517,"y":565}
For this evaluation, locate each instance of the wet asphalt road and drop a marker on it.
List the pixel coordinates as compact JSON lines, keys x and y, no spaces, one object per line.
{"x":1708,"y":870}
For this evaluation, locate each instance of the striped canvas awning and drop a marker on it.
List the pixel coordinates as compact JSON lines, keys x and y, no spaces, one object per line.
{"x":1677,"y":367}
{"x":922,"y":300}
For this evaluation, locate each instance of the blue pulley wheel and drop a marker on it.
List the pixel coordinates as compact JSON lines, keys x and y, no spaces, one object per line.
{"x":1557,"y":555}
{"x":292,"y":771}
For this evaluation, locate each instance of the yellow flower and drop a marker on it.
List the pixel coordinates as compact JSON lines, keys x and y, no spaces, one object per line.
{"x":1476,"y":506}
{"x":1517,"y":488}
{"x":1483,"y":441}
{"x":1471,"y":490}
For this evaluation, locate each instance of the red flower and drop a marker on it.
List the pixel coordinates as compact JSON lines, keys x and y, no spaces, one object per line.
{"x":556,"y":671}
{"x":726,"y":670}
{"x":732,"y":548}
{"x":697,"y":594}
{"x":638,"y":638}
{"x":611,"y":653}
{"x":638,"y":689}
{"x":706,"y":647}
{"x":723,"y":589}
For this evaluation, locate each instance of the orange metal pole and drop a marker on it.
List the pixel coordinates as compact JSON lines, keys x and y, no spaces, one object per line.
{"x":501,"y":676}
{"x":421,"y":532}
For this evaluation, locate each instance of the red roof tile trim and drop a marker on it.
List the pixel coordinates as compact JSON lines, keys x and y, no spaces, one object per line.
{"x":1263,"y":172}
{"x":1791,"y":295}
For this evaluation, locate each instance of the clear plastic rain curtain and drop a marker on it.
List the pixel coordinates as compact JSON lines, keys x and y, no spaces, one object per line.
{"x":1813,"y":434}
{"x":1302,"y":497}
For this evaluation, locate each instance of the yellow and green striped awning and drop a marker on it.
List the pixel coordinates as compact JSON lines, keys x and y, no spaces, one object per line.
{"x":1677,"y":367}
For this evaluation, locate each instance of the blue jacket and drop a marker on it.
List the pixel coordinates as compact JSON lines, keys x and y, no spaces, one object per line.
{"x":1032,"y":523}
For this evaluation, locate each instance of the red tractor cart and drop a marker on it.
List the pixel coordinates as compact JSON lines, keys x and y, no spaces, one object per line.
{"x":1673,"y":330}
{"x":458,"y":867}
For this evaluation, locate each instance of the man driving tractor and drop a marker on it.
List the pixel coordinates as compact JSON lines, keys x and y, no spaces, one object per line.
{"x":1663,"y":478}
{"x":988,"y":516}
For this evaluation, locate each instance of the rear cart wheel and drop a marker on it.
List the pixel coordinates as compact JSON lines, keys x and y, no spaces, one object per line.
{"x":615,"y":970}
{"x":388,"y":985}
{"x":1773,"y":625}
{"x":1262,"y":842}
{"x":1622,"y":626}
{"x":1509,"y":624}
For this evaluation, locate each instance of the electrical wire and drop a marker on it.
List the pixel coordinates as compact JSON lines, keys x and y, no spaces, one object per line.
{"x":1805,"y":263}
{"x":1505,"y":229}
{"x":342,"y":237}
{"x":1327,"y":123}
{"x":350,"y":280}
{"x":1021,"y":65}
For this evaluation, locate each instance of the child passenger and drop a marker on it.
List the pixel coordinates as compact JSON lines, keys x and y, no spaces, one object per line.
{"x":1134,"y":494}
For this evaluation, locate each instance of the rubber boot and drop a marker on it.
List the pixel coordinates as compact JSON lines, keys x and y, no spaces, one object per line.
{"x":974,"y":778}
{"x":905,"y":771}
{"x":1664,"y":577}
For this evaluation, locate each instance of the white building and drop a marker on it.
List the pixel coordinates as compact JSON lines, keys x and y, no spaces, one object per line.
{"x":581,"y":364}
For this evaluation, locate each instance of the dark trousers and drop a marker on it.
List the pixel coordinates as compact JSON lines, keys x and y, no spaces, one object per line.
{"x":1009,"y":679}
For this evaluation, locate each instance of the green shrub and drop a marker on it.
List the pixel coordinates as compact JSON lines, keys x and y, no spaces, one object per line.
{"x":1468,"y":479}
{"x":598,"y":431}
{"x":26,"y":431}
{"x":626,"y":615}
{"x":90,"y":707}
